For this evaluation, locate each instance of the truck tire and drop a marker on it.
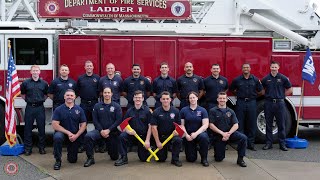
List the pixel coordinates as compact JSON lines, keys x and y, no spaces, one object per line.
{"x":2,"y":125}
{"x":261,"y":124}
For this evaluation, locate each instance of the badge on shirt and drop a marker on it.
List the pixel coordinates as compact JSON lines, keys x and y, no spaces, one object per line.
{"x":198,"y":113}
{"x":70,"y":84}
{"x":101,"y":109}
{"x":172,"y":115}
{"x":221,"y":82}
{"x":115,"y":83}
{"x":195,"y":79}
{"x":278,"y":80}
{"x":228,"y":114}
{"x":95,"y":80}
{"x":77,"y":111}
{"x":141,"y":82}
{"x":111,"y":109}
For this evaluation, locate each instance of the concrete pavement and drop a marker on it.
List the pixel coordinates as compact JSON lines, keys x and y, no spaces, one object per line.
{"x":228,"y":169}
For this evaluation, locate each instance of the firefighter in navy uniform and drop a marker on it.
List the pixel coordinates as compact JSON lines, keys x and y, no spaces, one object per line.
{"x":134,"y":83}
{"x":194,"y":119}
{"x":107,"y":115}
{"x":140,"y":123}
{"x":187,"y":83}
{"x":59,"y":86}
{"x":164,"y":83}
{"x":224,"y":124}
{"x":214,"y":84}
{"x":87,"y":89}
{"x":276,"y":87}
{"x":113,"y":81}
{"x":66,"y":120}
{"x":247,"y":88}
{"x":162,"y":127}
{"x":34,"y":92}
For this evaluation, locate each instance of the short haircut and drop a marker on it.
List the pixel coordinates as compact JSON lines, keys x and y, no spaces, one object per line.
{"x":138,"y":92}
{"x":88,"y":61}
{"x":133,"y":65}
{"x":215,"y":65}
{"x":35,"y":66}
{"x":275,"y":62}
{"x":70,"y":90}
{"x":245,"y":64}
{"x":222,"y":93}
{"x":164,"y":63}
{"x":166,"y":93}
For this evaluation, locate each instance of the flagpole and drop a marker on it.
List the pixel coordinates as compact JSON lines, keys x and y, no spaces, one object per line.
{"x":300,"y":107}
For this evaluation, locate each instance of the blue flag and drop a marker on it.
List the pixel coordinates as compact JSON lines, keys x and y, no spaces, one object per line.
{"x":308,"y":69}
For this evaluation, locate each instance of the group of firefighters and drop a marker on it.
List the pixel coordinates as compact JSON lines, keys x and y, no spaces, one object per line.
{"x":214,"y":124}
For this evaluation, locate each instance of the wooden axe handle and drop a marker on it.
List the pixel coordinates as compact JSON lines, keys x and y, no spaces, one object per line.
{"x":163,"y":144}
{"x":142,"y":142}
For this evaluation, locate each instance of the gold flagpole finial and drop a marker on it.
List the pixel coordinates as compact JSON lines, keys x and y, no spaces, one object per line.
{"x":9,"y":44}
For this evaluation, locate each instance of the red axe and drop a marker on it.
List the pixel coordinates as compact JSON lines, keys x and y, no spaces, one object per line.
{"x":125,"y":124}
{"x":180,"y":132}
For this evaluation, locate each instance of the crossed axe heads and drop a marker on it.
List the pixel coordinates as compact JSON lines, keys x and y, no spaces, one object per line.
{"x":125,"y":124}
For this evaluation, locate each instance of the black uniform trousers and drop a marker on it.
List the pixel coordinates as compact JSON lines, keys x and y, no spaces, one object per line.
{"x":72,"y":147}
{"x":34,"y":112}
{"x":127,"y":140}
{"x":220,"y":146}
{"x":246,"y":111}
{"x":112,"y":142}
{"x":176,"y":142}
{"x":191,"y":147}
{"x":87,"y":108}
{"x":275,"y":109}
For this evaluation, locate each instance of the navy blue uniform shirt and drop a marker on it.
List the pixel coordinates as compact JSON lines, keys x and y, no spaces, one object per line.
{"x":188,"y":84}
{"x":275,"y":86}
{"x":213,"y":86}
{"x":88,"y":87}
{"x":246,"y":88}
{"x":164,"y":120}
{"x":193,"y":118}
{"x":161,"y":84}
{"x":59,"y":86}
{"x":131,"y":85}
{"x":35,"y":91}
{"x":107,"y":116}
{"x":70,"y":119}
{"x":140,"y":119}
{"x":116,"y":85}
{"x":222,"y":118}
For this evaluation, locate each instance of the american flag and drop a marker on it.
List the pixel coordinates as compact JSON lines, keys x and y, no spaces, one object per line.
{"x":12,"y":91}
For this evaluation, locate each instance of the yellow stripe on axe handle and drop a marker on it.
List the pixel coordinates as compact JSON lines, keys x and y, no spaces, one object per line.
{"x":149,"y":149}
{"x":163,"y":144}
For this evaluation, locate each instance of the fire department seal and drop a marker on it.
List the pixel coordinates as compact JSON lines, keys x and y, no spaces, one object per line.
{"x":228,"y":114}
{"x":221,"y":82}
{"x":111,"y":109}
{"x":95,"y":80}
{"x":172,"y":115}
{"x":141,"y":82}
{"x":77,"y":111}
{"x":178,"y":9}
{"x":195,"y":80}
{"x":52,"y":7}
{"x":115,"y":83}
{"x":11,"y":168}
{"x":70,"y":84}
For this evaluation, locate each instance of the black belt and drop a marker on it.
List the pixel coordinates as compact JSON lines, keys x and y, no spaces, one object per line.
{"x":35,"y":104}
{"x":247,"y":99}
{"x":89,"y":101}
{"x":276,"y":100}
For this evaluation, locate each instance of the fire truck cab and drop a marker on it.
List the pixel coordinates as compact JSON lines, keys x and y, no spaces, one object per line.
{"x":215,"y":31}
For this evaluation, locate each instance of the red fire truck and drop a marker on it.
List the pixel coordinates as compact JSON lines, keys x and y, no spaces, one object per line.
{"x":204,"y":32}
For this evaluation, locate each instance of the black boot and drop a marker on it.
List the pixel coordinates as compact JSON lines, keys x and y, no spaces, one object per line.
{"x":57,"y":165}
{"x":241,"y":162}
{"x":89,"y":162}
{"x":121,"y":161}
